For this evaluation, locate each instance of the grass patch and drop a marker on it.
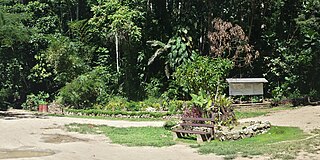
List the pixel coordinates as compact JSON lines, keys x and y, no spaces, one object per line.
{"x":279,"y":142}
{"x":132,"y":136}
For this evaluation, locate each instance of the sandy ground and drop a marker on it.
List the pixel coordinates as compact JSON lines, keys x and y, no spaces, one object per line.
{"x":41,"y":135}
{"x":306,"y":118}
{"x":34,"y":135}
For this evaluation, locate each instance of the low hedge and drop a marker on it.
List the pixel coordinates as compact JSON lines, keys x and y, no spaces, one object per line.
{"x":95,"y":112}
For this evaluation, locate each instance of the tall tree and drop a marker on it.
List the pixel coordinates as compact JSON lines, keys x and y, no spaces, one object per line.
{"x":116,"y":20}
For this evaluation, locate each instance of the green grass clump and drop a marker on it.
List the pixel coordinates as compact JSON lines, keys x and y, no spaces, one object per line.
{"x":132,"y":136}
{"x":107,"y":118}
{"x":269,"y":143}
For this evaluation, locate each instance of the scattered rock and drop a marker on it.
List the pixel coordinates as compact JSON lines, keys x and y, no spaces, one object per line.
{"x":236,"y":136}
{"x":10,"y":118}
{"x":250,"y":130}
{"x":25,"y":116}
{"x":55,"y":108}
{"x":254,"y":128}
{"x":150,"y":109}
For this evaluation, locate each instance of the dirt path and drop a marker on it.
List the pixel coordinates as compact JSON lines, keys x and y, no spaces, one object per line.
{"x":306,"y":118}
{"x":44,"y":139}
{"x":39,"y":137}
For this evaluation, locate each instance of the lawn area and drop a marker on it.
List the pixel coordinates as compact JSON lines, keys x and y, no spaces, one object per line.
{"x":132,"y":136}
{"x":279,"y":142}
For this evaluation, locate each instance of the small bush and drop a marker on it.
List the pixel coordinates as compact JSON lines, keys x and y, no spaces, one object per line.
{"x":4,"y":94}
{"x":151,"y":103}
{"x":204,"y":73}
{"x":194,"y":112}
{"x":176,"y":105}
{"x":98,"y":112}
{"x":117,"y":103}
{"x":153,"y":88}
{"x":133,"y":106}
{"x":206,"y":106}
{"x":89,"y":89}
{"x":169,"y":124}
{"x":33,"y":101}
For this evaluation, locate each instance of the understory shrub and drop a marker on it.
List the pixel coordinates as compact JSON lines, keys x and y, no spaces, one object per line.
{"x":89,"y":89}
{"x":152,"y":89}
{"x":3,"y":106}
{"x":176,"y":105}
{"x":118,"y":103}
{"x":204,"y":73}
{"x":151,"y":103}
{"x":218,"y":107}
{"x":133,"y":106}
{"x":4,"y":94}
{"x":169,"y":124}
{"x":204,"y":80}
{"x":33,"y":101}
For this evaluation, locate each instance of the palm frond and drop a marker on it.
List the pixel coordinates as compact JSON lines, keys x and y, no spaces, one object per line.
{"x":155,"y":55}
{"x":163,"y":48}
{"x":156,"y":43}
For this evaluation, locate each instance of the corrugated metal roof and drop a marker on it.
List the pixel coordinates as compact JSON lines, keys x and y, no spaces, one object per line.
{"x":247,"y":80}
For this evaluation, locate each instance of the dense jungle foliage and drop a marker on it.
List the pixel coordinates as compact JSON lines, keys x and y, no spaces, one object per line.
{"x":87,"y":53}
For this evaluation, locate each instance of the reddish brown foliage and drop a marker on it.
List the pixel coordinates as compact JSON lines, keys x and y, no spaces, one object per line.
{"x":229,"y":41}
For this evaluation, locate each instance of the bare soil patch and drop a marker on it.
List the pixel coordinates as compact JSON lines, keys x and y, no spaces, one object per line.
{"x":20,"y":114}
{"x":49,"y":135}
{"x":59,"y":138}
{"x":6,"y":154}
{"x":307,"y":118}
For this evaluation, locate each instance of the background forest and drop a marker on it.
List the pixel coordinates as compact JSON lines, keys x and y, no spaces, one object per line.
{"x":103,"y":53}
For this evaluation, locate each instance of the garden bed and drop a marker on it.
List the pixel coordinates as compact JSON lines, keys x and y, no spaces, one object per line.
{"x":240,"y":131}
{"x":121,"y":114}
{"x":243,"y":130}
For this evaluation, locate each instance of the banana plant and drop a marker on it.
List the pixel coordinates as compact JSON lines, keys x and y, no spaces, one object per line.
{"x":176,"y":51}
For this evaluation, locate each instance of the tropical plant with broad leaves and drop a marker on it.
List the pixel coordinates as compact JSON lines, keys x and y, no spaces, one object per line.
{"x":203,"y":74}
{"x":176,"y":51}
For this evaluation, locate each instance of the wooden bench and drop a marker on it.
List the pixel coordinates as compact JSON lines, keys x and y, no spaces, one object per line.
{"x":187,"y":127}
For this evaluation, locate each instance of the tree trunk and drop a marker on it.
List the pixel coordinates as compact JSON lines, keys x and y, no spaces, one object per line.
{"x":117,"y":52}
{"x":252,"y":17}
{"x":77,"y":12}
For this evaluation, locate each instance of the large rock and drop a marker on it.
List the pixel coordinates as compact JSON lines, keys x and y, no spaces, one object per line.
{"x":236,"y":136}
{"x":55,"y":108}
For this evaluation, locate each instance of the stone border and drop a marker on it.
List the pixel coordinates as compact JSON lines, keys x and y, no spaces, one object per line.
{"x":168,"y":117}
{"x":255,"y":128}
